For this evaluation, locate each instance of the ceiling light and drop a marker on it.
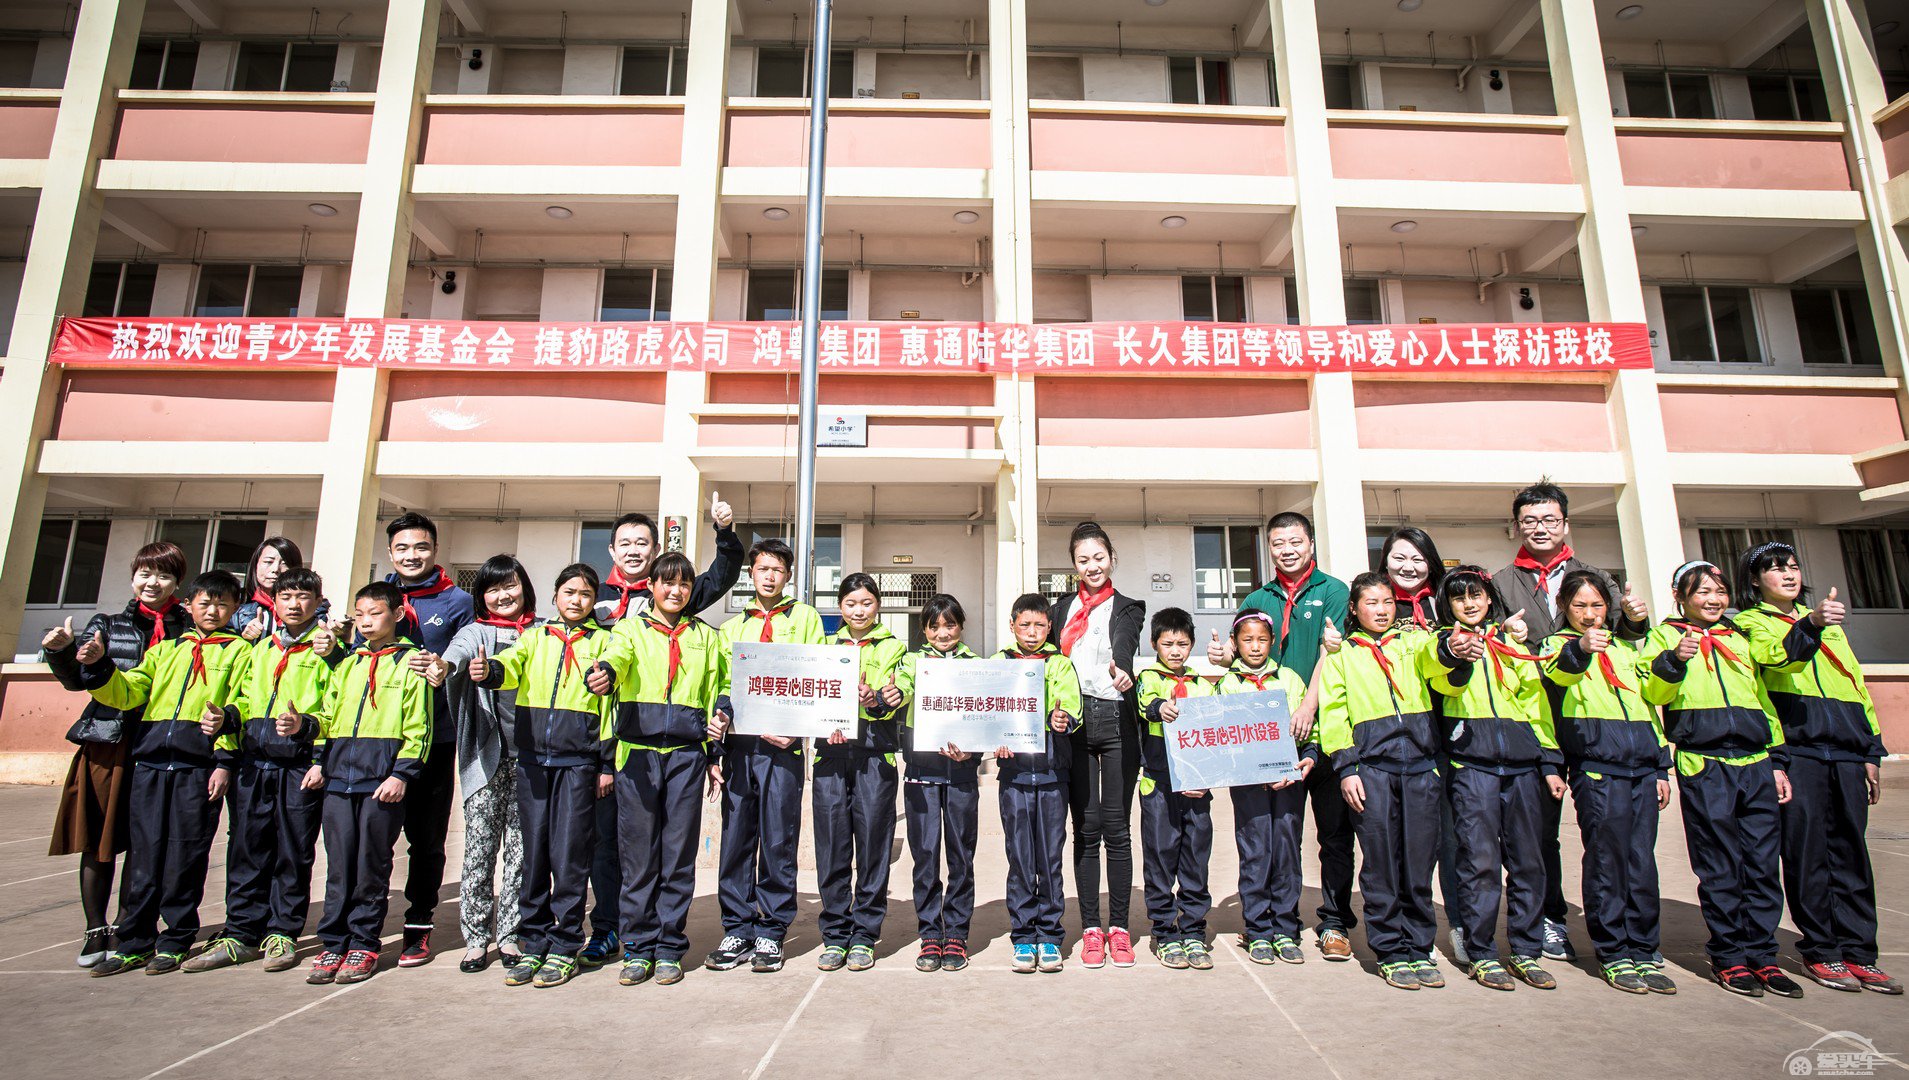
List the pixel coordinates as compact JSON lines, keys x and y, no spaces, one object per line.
{"x":1172,"y":221}
{"x":322,"y":209}
{"x":561,"y":213}
{"x":1889,"y":27}
{"x":1404,"y":226}
{"x":967,"y":217}
{"x":1639,"y":230}
{"x":1410,"y":5}
{"x":776,"y":213}
{"x":1629,"y":12}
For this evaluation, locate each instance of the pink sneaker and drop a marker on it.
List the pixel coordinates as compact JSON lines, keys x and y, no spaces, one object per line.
{"x":1121,"y":946}
{"x":1093,"y":948}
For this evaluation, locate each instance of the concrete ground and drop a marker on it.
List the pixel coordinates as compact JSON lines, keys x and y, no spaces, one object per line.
{"x":1314,"y":1020}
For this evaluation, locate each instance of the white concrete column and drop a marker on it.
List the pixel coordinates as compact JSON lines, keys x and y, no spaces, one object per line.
{"x":1017,"y":550}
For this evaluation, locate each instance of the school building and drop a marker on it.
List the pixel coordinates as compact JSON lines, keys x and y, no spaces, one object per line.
{"x":1732,"y":175}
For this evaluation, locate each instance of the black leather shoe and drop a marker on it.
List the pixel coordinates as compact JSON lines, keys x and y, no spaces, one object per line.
{"x":471,"y":966}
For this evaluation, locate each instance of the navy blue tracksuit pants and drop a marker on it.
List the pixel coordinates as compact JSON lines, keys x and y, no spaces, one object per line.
{"x":606,"y":873}
{"x":360,"y":836}
{"x":1617,"y":819}
{"x":556,"y":809}
{"x":1499,"y":820}
{"x":1398,"y":841}
{"x":1332,"y":820}
{"x":659,"y":813}
{"x":269,"y":854}
{"x":1034,"y":823}
{"x":1730,"y":823}
{"x":943,"y":819}
{"x":171,"y":827}
{"x":1266,"y":827}
{"x":854,"y":804}
{"x":1176,"y":845}
{"x":762,"y":826}
{"x":1826,"y":870}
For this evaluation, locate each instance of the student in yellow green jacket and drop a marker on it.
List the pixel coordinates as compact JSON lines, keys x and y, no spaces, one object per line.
{"x":1731,"y":765}
{"x":179,"y":776}
{"x":1816,"y":686}
{"x":854,"y":790}
{"x":1617,"y":763}
{"x":1176,"y":827}
{"x":1376,"y":722}
{"x":374,"y":731}
{"x":561,"y":718}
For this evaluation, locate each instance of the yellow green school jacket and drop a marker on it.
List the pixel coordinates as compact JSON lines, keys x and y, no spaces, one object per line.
{"x":1240,"y":679}
{"x":1714,"y":704}
{"x":558,"y":722}
{"x":1370,"y":716}
{"x":664,"y":711}
{"x":880,"y":654}
{"x":175,"y":681}
{"x":927,"y":765}
{"x":1061,"y":690}
{"x":282,"y":674}
{"x":1603,"y":724}
{"x":1815,"y":684}
{"x":790,"y":621}
{"x":376,"y":720}
{"x":1155,"y":688}
{"x":1498,"y":720}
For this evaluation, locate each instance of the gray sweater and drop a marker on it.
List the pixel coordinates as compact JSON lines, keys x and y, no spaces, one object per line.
{"x":485,"y":719}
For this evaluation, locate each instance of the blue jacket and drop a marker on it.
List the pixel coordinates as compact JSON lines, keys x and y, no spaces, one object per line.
{"x":252,"y":609}
{"x":440,"y":617}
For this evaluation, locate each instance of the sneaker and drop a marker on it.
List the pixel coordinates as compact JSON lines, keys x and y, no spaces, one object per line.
{"x":768,"y":956}
{"x":221,"y":952}
{"x":165,"y":963}
{"x":359,"y":965}
{"x":1427,"y":974}
{"x":1120,"y":947}
{"x":524,"y":970}
{"x":636,"y":972}
{"x":1535,"y":976}
{"x":861,"y":957}
{"x":669,"y":972}
{"x":599,"y":950}
{"x":954,"y":955}
{"x":1093,"y":948}
{"x":1261,"y":951}
{"x":1834,"y":975}
{"x":1024,"y":960}
{"x":728,"y":954}
{"x":1399,"y":974}
{"x":1288,"y":950}
{"x":929,"y":958}
{"x":1622,"y":975}
{"x":1197,"y":956}
{"x":1171,"y":954}
{"x":1874,"y":978}
{"x":94,"y":948}
{"x":1776,"y":982}
{"x":832,"y":958}
{"x":417,"y":947}
{"x":1557,"y":942}
{"x":280,"y":952}
{"x":1459,"y":956}
{"x":325,"y":968}
{"x":1050,"y":954}
{"x":1492,"y":975}
{"x":1739,"y":980}
{"x":1652,"y":972}
{"x":1335,"y":945}
{"x":116,"y":962}
{"x":555,"y":971}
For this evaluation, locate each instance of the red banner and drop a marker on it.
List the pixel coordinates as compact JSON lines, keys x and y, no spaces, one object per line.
{"x":1100,"y":348}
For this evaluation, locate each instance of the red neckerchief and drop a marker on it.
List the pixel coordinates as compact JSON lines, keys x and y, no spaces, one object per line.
{"x":1823,"y":649}
{"x":1419,"y":595}
{"x":1085,"y":603}
{"x":1604,"y":664}
{"x":1017,"y":654}
{"x":441,"y":583}
{"x":769,"y":616}
{"x":263,"y":599}
{"x":1377,"y":645}
{"x":1258,"y":679}
{"x":158,"y":618}
{"x":1293,"y":586}
{"x":675,"y":635}
{"x":199,"y":641}
{"x":1711,"y":641}
{"x":1501,"y":650}
{"x":1525,"y":560}
{"x":569,"y":661}
{"x":285,"y":658}
{"x":520,"y":624}
{"x":628,"y":588}
{"x":371,"y":676}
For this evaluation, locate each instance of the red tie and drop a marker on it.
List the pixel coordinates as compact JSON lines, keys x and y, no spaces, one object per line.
{"x":1180,"y":684}
{"x":1610,"y":671}
{"x":1500,"y":651}
{"x":1378,"y":655}
{"x":1258,"y":681}
{"x":1084,"y":606}
{"x":1712,"y":641}
{"x":286,"y":658}
{"x":158,"y":617}
{"x":628,"y":588}
{"x":768,"y":619}
{"x":1422,"y":594}
{"x":1823,"y":650}
{"x":569,"y":662}
{"x":199,"y":642}
{"x":371,"y":675}
{"x":1293,"y":587}
{"x":1525,"y":560}
{"x":674,"y":634}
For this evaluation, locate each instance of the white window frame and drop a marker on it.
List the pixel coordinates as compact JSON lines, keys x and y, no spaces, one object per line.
{"x":675,"y":72}
{"x":1710,"y":324}
{"x":655,"y":272}
{"x":66,"y":564}
{"x":1227,"y":569}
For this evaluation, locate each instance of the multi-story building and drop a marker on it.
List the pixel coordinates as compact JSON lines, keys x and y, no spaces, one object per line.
{"x":1732,"y":174}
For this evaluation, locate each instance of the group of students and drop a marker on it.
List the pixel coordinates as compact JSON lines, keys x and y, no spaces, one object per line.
{"x":1439,"y":728}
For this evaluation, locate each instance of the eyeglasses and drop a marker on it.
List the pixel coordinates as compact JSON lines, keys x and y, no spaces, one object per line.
{"x":1535,"y":522}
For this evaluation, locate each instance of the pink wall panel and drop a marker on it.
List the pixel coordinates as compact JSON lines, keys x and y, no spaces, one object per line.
{"x":288,"y":133}
{"x":1116,"y":143}
{"x":1456,"y":416}
{"x":1885,"y":471}
{"x":1891,"y":694}
{"x":1733,"y":160}
{"x":1363,"y":151}
{"x":26,"y":128}
{"x":458,"y":135}
{"x":901,"y":139}
{"x":35,"y":713}
{"x":1773,"y":422}
{"x":175,"y":405}
{"x":1895,"y":142}
{"x":856,"y":390}
{"x":528,"y":407}
{"x":883,"y":434}
{"x":1261,"y":414}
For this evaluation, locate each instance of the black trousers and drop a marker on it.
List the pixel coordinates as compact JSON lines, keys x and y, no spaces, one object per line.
{"x":361,"y":834}
{"x":762,"y":827}
{"x":1552,"y":819}
{"x":273,"y":841}
{"x":606,"y":873}
{"x":427,"y":818}
{"x":1332,"y":821}
{"x":1617,"y":820}
{"x":171,"y":827}
{"x":1398,"y":841}
{"x":1732,"y":828}
{"x":1826,"y":870}
{"x":659,"y":816}
{"x":556,"y":808}
{"x":1498,"y":827}
{"x":854,"y":807}
{"x":1176,"y":846}
{"x":942,"y":822}
{"x":1101,"y":781}
{"x":1266,"y":827}
{"x":1034,"y":824}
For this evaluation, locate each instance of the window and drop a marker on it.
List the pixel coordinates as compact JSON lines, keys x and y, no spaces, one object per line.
{"x":1209,"y":298}
{"x":68,"y":563}
{"x":219,"y":543}
{"x":785,"y":73}
{"x":1876,"y":561}
{"x":635,"y":296}
{"x":1670,"y":94}
{"x":1292,"y":301}
{"x":1225,"y":565}
{"x":1710,"y":323}
{"x":1835,"y":326}
{"x":164,"y":65}
{"x":1788,"y":97}
{"x":123,"y":289}
{"x":1344,"y":89}
{"x":255,"y":291}
{"x":1055,"y":584}
{"x":1362,"y":303}
{"x":293,"y":66}
{"x":774,"y":296}
{"x":1198,"y":80}
{"x":828,"y":560}
{"x":652,"y":71}
{"x":1722,"y":547}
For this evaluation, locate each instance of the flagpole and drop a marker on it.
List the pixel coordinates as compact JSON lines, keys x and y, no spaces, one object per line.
{"x":811,"y":302}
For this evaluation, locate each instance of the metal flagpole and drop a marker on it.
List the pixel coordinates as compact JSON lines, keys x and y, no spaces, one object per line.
{"x":811,"y":302}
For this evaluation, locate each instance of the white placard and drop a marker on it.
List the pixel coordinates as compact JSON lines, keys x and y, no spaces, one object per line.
{"x":841,"y":429}
{"x":980,"y":705}
{"x":797,"y":691}
{"x":1231,"y":740}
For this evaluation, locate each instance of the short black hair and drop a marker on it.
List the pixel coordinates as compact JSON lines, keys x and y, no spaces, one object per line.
{"x":407,"y":521}
{"x":672,"y":568}
{"x":1751,"y":566}
{"x":1086,"y":531}
{"x":1371,"y":579}
{"x":382,"y":591}
{"x":218,"y":584}
{"x":772,"y":547}
{"x":941,"y":607}
{"x":1692,"y":579}
{"x":1171,"y":620}
{"x":299,"y":579}
{"x":644,"y":520}
{"x":1290,"y":519}
{"x":497,"y":570}
{"x":856,"y":582}
{"x":1026,"y":602}
{"x":1578,"y":579}
{"x":580,"y":570}
{"x":1462,"y":581}
{"x":1544,"y":491}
